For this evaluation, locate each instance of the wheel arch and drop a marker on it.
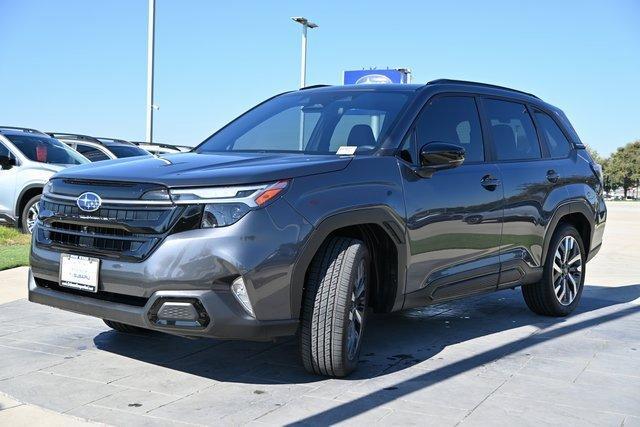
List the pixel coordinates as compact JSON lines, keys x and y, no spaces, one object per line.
{"x":27,"y":193}
{"x":577,"y":213}
{"x":383,"y":233}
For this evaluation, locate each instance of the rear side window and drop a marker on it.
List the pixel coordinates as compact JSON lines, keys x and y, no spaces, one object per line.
{"x":514,"y":136}
{"x":91,"y":153}
{"x":452,"y":119}
{"x":558,"y":144}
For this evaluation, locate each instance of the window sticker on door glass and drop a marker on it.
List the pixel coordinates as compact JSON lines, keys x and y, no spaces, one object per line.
{"x":346,"y":150}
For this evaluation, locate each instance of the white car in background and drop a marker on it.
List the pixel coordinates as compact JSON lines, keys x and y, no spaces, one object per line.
{"x":100,"y":148}
{"x":28,"y":158}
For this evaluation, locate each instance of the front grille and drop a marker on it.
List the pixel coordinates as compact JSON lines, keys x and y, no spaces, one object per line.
{"x":117,"y":231}
{"x":113,"y":214}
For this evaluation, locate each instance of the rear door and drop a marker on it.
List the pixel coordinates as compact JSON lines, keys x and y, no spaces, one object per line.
{"x":453,"y":217}
{"x":529,"y":178}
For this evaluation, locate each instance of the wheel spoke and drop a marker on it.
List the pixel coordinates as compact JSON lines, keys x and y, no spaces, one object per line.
{"x":556,"y":267}
{"x":575,"y":259}
{"x":358,"y":317}
{"x":564,"y":289}
{"x":574,"y":286}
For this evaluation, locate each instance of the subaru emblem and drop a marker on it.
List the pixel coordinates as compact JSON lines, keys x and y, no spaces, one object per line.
{"x":89,"y":202}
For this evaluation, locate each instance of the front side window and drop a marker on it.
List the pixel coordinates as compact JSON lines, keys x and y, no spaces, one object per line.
{"x":46,"y":150}
{"x":4,"y":151}
{"x":452,"y":119}
{"x":559,"y":146}
{"x":92,"y":153}
{"x":512,"y":130}
{"x":313,"y":122}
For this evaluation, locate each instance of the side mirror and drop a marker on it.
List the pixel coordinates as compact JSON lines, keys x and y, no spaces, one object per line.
{"x":436,"y":156}
{"x":7,"y":162}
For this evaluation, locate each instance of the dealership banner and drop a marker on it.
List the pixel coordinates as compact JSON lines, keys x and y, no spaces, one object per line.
{"x":357,"y":77}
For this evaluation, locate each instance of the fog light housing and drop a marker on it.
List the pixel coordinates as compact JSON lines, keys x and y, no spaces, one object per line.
{"x":239,"y":291}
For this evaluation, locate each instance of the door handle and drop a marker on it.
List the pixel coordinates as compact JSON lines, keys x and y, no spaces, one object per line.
{"x":489,"y":182}
{"x":552,"y":176}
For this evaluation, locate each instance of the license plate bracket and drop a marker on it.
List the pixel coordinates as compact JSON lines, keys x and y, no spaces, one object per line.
{"x":79,"y":272}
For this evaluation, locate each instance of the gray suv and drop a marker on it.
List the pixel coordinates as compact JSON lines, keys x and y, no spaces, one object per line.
{"x":321,"y":205}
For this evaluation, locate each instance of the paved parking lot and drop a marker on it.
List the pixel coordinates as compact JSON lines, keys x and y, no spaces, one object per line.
{"x":482,"y":361}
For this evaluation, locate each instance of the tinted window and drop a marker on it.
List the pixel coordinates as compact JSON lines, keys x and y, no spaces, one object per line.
{"x":127,"y":151}
{"x":329,"y":118}
{"x":452,"y":119}
{"x":408,"y":149}
{"x":4,"y":151}
{"x":362,"y":126}
{"x":558,"y":144}
{"x":92,"y":153}
{"x":46,"y":150}
{"x":514,"y":135}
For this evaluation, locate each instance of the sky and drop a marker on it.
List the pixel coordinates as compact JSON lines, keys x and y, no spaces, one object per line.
{"x":80,"y":65}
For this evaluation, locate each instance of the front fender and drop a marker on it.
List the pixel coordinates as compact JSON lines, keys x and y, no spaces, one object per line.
{"x":383,"y":216}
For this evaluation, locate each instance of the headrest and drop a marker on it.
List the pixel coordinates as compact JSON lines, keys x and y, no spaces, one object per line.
{"x":361,"y":135}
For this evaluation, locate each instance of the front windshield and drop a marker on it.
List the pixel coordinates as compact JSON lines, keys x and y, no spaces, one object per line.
{"x":122,"y":150}
{"x":46,"y":150}
{"x":314,"y":122}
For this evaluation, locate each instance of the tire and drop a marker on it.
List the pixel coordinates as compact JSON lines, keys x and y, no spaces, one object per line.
{"x":559,"y":299}
{"x":332,"y":300}
{"x":26,"y":219}
{"x":121,"y":327}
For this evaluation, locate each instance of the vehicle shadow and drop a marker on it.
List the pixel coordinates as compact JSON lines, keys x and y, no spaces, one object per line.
{"x":393,"y":342}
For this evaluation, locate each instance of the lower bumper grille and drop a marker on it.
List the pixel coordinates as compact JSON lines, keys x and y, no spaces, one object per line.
{"x":100,"y":295}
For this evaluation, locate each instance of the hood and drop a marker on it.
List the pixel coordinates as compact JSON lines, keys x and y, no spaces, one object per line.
{"x":49,"y":167}
{"x":194,"y":169}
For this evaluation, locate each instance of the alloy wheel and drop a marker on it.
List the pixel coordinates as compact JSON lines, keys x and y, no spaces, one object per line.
{"x":567,"y":270}
{"x":32,"y":216}
{"x":357,"y":311}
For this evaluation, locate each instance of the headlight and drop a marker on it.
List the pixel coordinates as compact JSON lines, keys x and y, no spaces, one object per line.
{"x":222,"y":214}
{"x":47,"y":188}
{"x":227,"y":205}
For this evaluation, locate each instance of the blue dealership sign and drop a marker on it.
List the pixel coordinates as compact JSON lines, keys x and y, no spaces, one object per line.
{"x":357,"y":77}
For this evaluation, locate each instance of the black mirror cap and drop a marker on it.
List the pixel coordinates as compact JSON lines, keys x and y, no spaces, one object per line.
{"x":7,"y":162}
{"x":435,"y":156}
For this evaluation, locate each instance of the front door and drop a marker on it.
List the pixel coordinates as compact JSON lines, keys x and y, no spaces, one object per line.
{"x":453,"y":217}
{"x":8,"y":187}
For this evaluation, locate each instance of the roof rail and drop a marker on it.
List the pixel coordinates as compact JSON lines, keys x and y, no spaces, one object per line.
{"x":313,"y":87}
{"x":27,"y":130}
{"x":116,"y":140}
{"x":157,"y":144}
{"x":73,"y":136}
{"x":465,"y":82}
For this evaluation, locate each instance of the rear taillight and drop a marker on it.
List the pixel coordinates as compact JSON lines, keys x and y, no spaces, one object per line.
{"x":597,"y":170}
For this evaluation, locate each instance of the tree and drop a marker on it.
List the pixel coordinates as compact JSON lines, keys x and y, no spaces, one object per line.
{"x":623,"y":167}
{"x":595,"y":155}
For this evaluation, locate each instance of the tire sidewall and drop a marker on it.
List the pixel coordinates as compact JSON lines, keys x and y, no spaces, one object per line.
{"x":25,"y":213}
{"x":563,"y":231}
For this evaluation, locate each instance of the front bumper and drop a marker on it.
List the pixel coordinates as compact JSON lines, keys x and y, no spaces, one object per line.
{"x":228,"y":321}
{"x":197,"y":265}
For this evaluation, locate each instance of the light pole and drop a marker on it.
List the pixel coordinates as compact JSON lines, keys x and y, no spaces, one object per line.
{"x":303,"y":62}
{"x":150,"y":47}
{"x":303,"y":69}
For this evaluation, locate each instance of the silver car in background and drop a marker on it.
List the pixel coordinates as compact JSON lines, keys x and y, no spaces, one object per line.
{"x":28,"y":158}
